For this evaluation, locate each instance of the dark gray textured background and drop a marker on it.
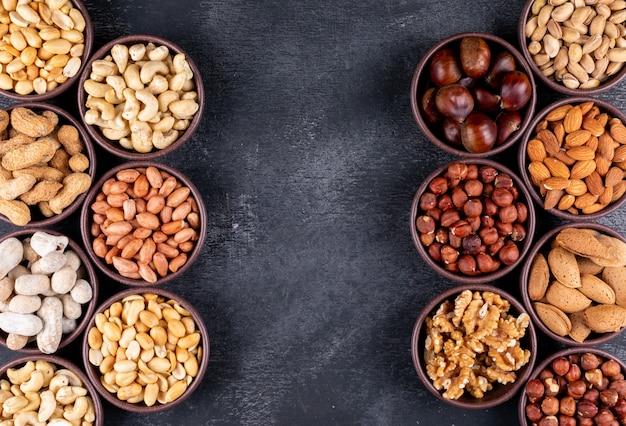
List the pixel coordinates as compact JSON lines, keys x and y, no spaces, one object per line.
{"x":308,"y":159}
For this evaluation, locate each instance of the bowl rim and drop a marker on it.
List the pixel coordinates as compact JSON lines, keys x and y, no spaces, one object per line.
{"x":94,"y":375}
{"x":417,"y":347}
{"x":85,"y":223}
{"x":90,"y":153}
{"x":478,"y":279}
{"x":422,"y":67}
{"x":524,"y":276}
{"x":87,"y":308}
{"x":557,"y":87}
{"x":522,"y":159}
{"x":114,"y":148}
{"x":65,"y":363}
{"x":63,"y":87}
{"x":521,"y":404}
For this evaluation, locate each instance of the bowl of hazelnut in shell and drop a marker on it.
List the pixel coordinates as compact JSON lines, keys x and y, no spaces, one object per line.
{"x":472,"y":220}
{"x":472,"y":94}
{"x":486,"y":341}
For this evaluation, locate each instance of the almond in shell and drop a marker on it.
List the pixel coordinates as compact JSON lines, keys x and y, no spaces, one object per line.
{"x":538,"y":278}
{"x":588,"y":266}
{"x":565,"y":298}
{"x":616,"y":250}
{"x":564,"y":267}
{"x":553,"y":318}
{"x":583,"y":242}
{"x":579,"y":331}
{"x":616,"y":278}
{"x":605,"y":318}
{"x":596,"y":289}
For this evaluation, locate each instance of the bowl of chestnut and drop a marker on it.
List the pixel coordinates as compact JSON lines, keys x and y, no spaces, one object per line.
{"x":472,"y":220}
{"x":575,"y":386}
{"x":473,"y":94}
{"x":571,"y":158}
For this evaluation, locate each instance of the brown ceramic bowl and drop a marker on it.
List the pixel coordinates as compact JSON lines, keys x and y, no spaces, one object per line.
{"x":432,"y":128}
{"x":557,"y":84}
{"x":53,"y":85}
{"x":199,"y":350}
{"x":37,"y":218}
{"x":191,"y":218}
{"x":449,"y":256}
{"x":542,"y":246}
{"x":62,"y":367}
{"x":570,"y":355}
{"x":598,"y":167}
{"x":97,"y":115}
{"x":500,"y":393}
{"x":86,"y":271}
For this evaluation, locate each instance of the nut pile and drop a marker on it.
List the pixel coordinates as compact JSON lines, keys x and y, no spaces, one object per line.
{"x":42,"y":290}
{"x":43,"y":164}
{"x":146,"y":348}
{"x":579,"y":285}
{"x":578,"y":389}
{"x":478,"y":94}
{"x":142,"y":96}
{"x":144,"y":223}
{"x":579,"y":44}
{"x":42,"y":44}
{"x":576,"y":158}
{"x":471,"y":219}
{"x":474,"y":342}
{"x":39,"y":392}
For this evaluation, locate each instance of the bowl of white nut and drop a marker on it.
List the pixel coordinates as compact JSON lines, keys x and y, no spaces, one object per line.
{"x":48,"y":291}
{"x":140,"y":97}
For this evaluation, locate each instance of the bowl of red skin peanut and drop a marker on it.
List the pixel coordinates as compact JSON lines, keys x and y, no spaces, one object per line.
{"x":143,"y":223}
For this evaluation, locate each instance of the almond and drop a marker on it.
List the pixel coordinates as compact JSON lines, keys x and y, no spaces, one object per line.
{"x":596,"y":289}
{"x":615,"y":251}
{"x":566,"y":299}
{"x":553,"y":318}
{"x":552,"y":198}
{"x":584,"y":201}
{"x":564,"y":267}
{"x":617,"y":130}
{"x":538,"y":277}
{"x":573,"y":119}
{"x":582,"y":242}
{"x":566,"y":201}
{"x":536,"y":150}
{"x":581,"y":153}
{"x":613,"y":176}
{"x":576,"y":187}
{"x":587,"y":107}
{"x":582,"y":169}
{"x":593,"y":126}
{"x":579,"y":331}
{"x":606,"y":197}
{"x":556,"y":183}
{"x":557,"y":167}
{"x":558,"y":113}
{"x":606,"y":146}
{"x":577,"y":137}
{"x":619,"y":154}
{"x":538,"y":172}
{"x":602,"y":165}
{"x":616,"y":278}
{"x":595,"y":185}
{"x":549,"y":140}
{"x":605,"y":318}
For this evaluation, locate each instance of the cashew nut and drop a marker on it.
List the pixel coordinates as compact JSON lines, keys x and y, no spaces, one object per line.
{"x":137,"y":52}
{"x":166,"y":98}
{"x":151,"y":68}
{"x":141,"y":136}
{"x":132,"y":78}
{"x":119,"y":53}
{"x":34,"y":383}
{"x":27,"y":418}
{"x":47,"y":406}
{"x":162,"y":140}
{"x":118,"y":84}
{"x":178,"y":81}
{"x":131,"y":106}
{"x":158,"y":53}
{"x":166,"y":123}
{"x":68,"y":394}
{"x":95,"y":88}
{"x":151,"y":104}
{"x":20,"y":375}
{"x":181,"y":64}
{"x":107,"y":111}
{"x":158,"y":85}
{"x":78,"y":410}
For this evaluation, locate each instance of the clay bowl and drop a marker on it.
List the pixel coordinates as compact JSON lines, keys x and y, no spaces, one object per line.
{"x":581,"y":356}
{"x":108,"y":253}
{"x":575,"y":165}
{"x":19,"y":368}
{"x":430,"y":121}
{"x":500,"y":393}
{"x":455,"y":258}
{"x":151,"y":300}
{"x":86,"y":271}
{"x":45,"y":84}
{"x":542,"y":247}
{"x":567,"y":85}
{"x":96,"y":108}
{"x":37,"y":216}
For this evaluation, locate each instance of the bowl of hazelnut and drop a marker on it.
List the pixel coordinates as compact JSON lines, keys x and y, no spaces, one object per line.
{"x":472,"y":94}
{"x":143,"y":223}
{"x":166,"y":355}
{"x":45,"y":49}
{"x":472,"y":220}
{"x":570,"y":158}
{"x":48,"y":164}
{"x":571,"y":47}
{"x":140,"y":97}
{"x":573,"y":283}
{"x":484,"y":337}
{"x":575,"y":386}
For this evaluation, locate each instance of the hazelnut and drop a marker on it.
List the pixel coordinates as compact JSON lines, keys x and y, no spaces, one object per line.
{"x":486,"y":263}
{"x":449,"y":254}
{"x":459,"y":197}
{"x":474,"y":223}
{"x":535,"y":390}
{"x":576,"y":389}
{"x":487,"y":189}
{"x":518,"y":233}
{"x":509,"y":253}
{"x":425,"y":224}
{"x":586,"y":409}
{"x":441,"y":235}
{"x":604,"y":417}
{"x":473,"y":188}
{"x":504,"y":229}
{"x":435,"y":213}
{"x":552,"y":386}
{"x":434,"y":251}
{"x":490,"y":208}
{"x":611,"y":368}
{"x":560,"y":366}
{"x":472,"y":172}
{"x":444,"y":202}
{"x":487,"y":221}
{"x":467,"y":265}
{"x":488,"y":235}
{"x":427,"y":239}
{"x":461,"y":229}
{"x":545,"y":373}
{"x":550,"y":406}
{"x":494,"y":248}
{"x":592,"y":395}
{"x":620,"y":386}
{"x":503,"y":180}
{"x":533,"y":412}
{"x":620,"y":409}
{"x":472,"y":244}
{"x":473,"y":208}
{"x":439,"y":185}
{"x":457,"y":170}
{"x":573,"y":373}
{"x":566,"y":420}
{"x":502,"y":197}
{"x":448,"y":217}
{"x":508,"y":214}
{"x":549,"y":421}
{"x":567,"y":406}
{"x":487,"y":174}
{"x":455,"y":241}
{"x":594,"y":377}
{"x":583,"y":421}
{"x":609,"y":397}
{"x":589,"y":361}
{"x":428,"y":201}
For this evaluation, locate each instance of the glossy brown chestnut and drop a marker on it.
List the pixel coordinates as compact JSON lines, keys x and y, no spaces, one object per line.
{"x":515,"y":90}
{"x":475,"y":56}
{"x":502,"y":63}
{"x":445,"y":68}
{"x":454,"y":101}
{"x":478,"y":132}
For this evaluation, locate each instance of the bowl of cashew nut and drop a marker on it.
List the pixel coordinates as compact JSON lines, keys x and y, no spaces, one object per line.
{"x":47,"y":389}
{"x":140,"y":97}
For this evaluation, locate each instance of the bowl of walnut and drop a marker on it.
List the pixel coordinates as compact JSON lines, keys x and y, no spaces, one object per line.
{"x":575,"y":386}
{"x":484,"y":338}
{"x":573,"y":283}
{"x":472,"y":220}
